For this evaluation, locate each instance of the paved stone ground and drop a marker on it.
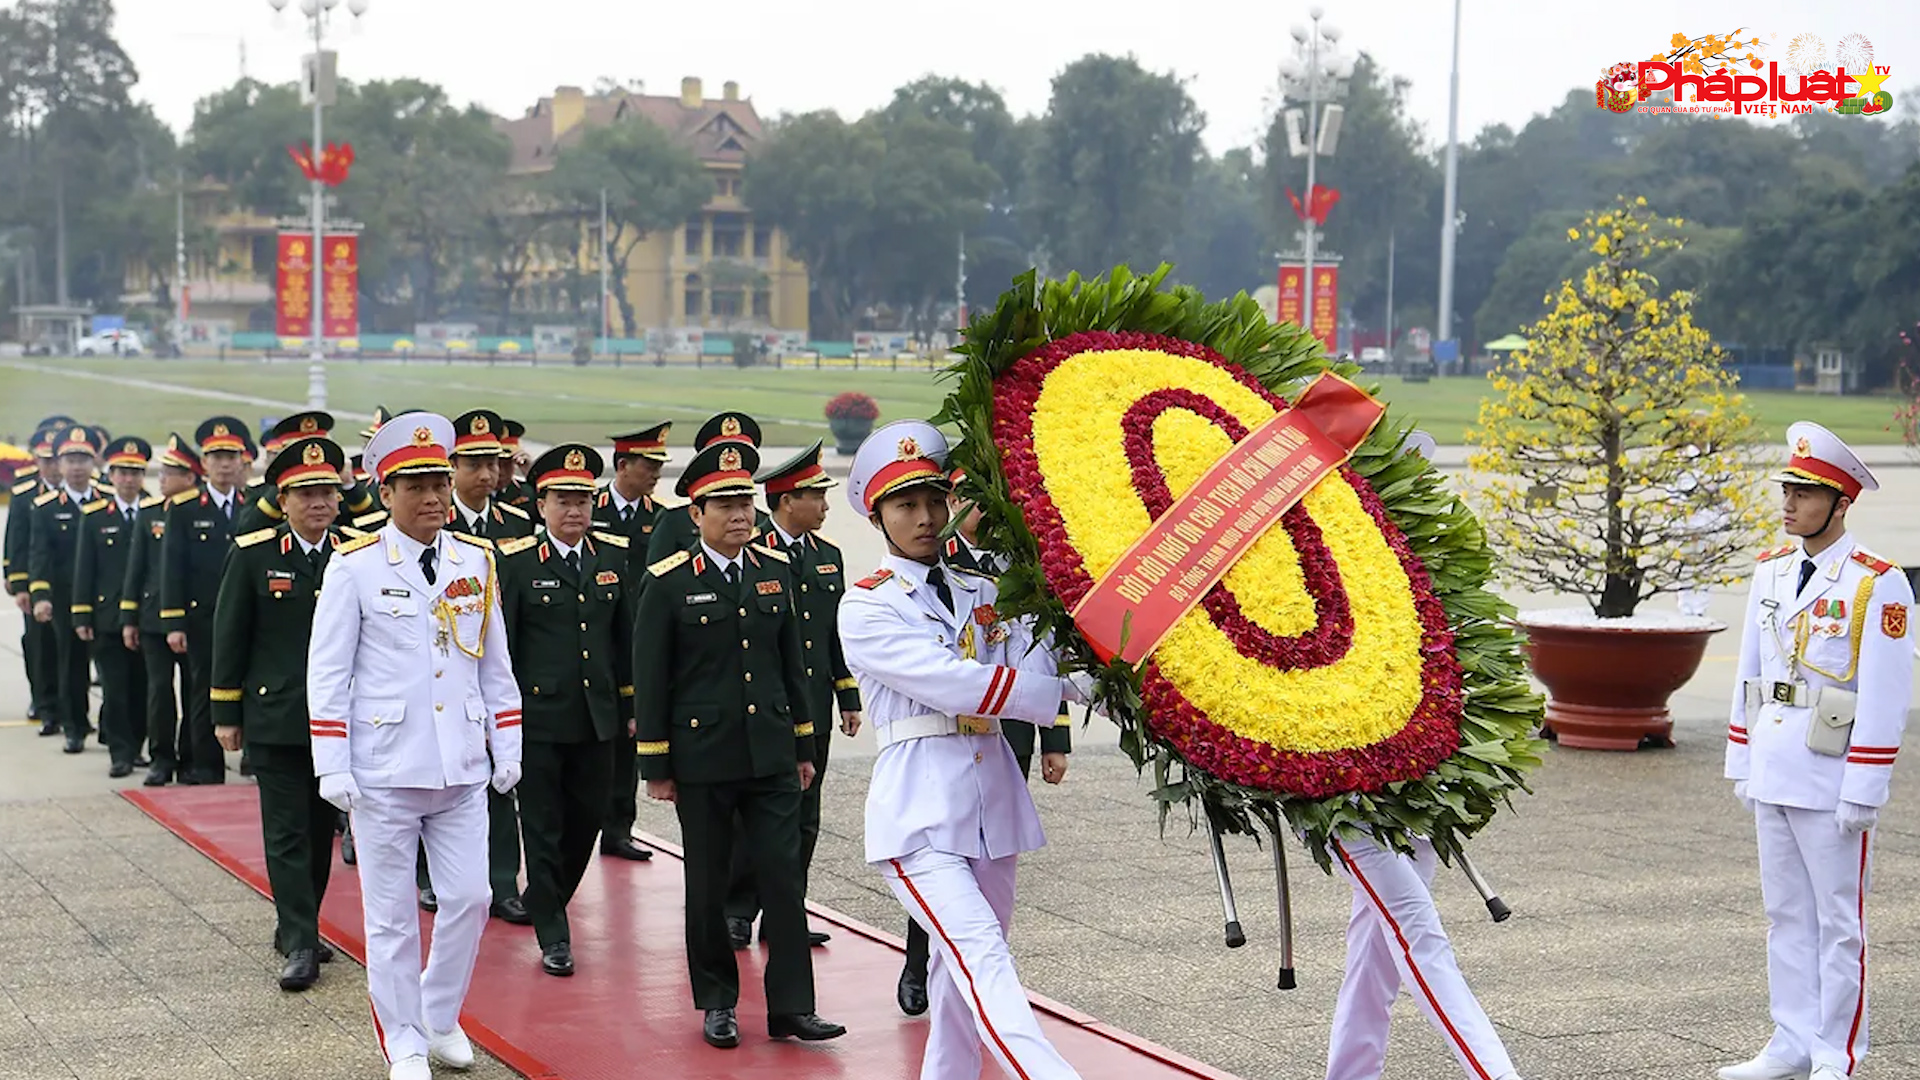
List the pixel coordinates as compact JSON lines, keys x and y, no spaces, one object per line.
{"x":1636,"y":951}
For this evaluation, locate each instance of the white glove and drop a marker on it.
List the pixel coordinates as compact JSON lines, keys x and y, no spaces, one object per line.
{"x":505,"y":775}
{"x":1740,"y":792}
{"x":1077,"y":687}
{"x":1855,"y":819}
{"x":340,"y":790}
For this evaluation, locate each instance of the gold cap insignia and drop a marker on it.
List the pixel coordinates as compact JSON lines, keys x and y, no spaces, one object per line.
{"x":308,"y":425}
{"x":479,"y":426}
{"x":422,"y":436}
{"x":909,"y":449}
{"x":1803,"y":448}
{"x":576,"y":461}
{"x":220,"y":430}
{"x":314,"y":454}
{"x":730,"y":458}
{"x":730,"y":426}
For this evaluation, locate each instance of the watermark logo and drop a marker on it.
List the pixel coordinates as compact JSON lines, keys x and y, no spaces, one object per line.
{"x":1727,"y":73}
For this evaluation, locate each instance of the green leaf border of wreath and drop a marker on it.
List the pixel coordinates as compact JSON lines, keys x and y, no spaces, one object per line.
{"x":1502,"y":713}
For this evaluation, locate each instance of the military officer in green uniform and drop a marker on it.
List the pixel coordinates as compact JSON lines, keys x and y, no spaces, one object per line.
{"x":625,"y":506}
{"x":52,"y":553}
{"x":193,"y":552}
{"x":166,"y":672}
{"x":512,"y":488}
{"x":676,"y":530}
{"x":724,"y":729}
{"x":569,"y":621}
{"x":108,"y":534}
{"x":796,"y":494}
{"x":36,"y":641}
{"x":262,"y":621}
{"x":261,"y":509}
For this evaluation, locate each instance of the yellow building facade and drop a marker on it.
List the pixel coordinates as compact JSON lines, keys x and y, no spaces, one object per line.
{"x":229,"y":273}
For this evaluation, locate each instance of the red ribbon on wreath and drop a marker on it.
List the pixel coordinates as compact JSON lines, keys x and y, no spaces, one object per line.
{"x":331,"y":169}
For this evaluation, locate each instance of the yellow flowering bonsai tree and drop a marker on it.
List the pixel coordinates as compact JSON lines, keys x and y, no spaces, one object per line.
{"x":1615,"y":459}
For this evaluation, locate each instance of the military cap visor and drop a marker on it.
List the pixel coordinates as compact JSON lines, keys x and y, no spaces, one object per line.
{"x":801,"y":472}
{"x":477,"y":433}
{"x":304,"y":425}
{"x":567,"y":467}
{"x":76,"y":440}
{"x":1816,"y":456}
{"x":381,"y":414}
{"x":129,"y":453}
{"x":728,"y":427}
{"x":409,"y":444}
{"x":904,"y":454}
{"x":179,"y":455}
{"x":310,"y":462}
{"x":723,"y":468}
{"x":223,"y":433}
{"x":647,"y":442}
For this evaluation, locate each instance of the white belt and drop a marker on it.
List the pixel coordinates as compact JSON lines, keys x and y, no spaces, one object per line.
{"x":930,"y":725}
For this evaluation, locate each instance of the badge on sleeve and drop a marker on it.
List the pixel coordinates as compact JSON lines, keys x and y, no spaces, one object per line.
{"x":1893,"y":620}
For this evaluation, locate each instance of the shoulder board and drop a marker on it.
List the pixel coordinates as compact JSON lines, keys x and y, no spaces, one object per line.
{"x":827,"y":541}
{"x":187,"y":496}
{"x":152,"y":501}
{"x":269,"y":507}
{"x":671,"y":504}
{"x":511,"y":509}
{"x":874,"y":579}
{"x":95,"y":505}
{"x":611,"y":539}
{"x":476,"y":541}
{"x":370,"y":521}
{"x":348,"y":534}
{"x":24,"y":486}
{"x":1769,"y":556}
{"x":970,"y":572}
{"x":776,"y":553}
{"x":517,"y":545}
{"x":46,"y":497}
{"x":666,"y":565}
{"x":1872,"y":562}
{"x":364,"y":540}
{"x":258,"y":537}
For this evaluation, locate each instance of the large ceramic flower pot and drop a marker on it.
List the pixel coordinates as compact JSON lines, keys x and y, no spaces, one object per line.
{"x":849,"y":432}
{"x":1608,"y":685}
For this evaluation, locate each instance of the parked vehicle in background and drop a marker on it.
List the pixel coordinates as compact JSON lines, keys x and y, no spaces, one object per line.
{"x":111,"y":343}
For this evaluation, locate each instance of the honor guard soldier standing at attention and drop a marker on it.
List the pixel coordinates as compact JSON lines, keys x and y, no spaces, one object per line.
{"x":723,"y":730}
{"x":194,"y":551}
{"x":408,"y":687}
{"x":261,"y":625}
{"x":1826,"y":674}
{"x":108,"y":534}
{"x":36,"y":640}
{"x":676,"y":529}
{"x":797,"y":496}
{"x":569,"y":620}
{"x":167,"y":673}
{"x":947,"y":812}
{"x":625,"y":507}
{"x":53,"y":552}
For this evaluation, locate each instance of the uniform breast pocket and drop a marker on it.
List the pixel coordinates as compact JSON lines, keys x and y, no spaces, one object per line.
{"x":395,"y":621}
{"x":701,"y":619}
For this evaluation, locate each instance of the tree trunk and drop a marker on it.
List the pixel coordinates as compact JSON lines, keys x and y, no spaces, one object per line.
{"x":1620,"y":594}
{"x":62,"y":296}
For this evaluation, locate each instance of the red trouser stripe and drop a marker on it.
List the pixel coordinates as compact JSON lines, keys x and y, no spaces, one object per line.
{"x":1860,"y":1004}
{"x":378,"y":1031}
{"x":1407,"y":951}
{"x":978,"y":1005}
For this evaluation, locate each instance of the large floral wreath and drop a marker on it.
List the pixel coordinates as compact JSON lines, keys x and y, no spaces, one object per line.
{"x":1349,"y":672}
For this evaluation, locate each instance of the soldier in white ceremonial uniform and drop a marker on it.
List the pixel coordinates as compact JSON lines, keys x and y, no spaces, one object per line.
{"x":948,"y":812}
{"x":1826,"y":673}
{"x":408,"y":684}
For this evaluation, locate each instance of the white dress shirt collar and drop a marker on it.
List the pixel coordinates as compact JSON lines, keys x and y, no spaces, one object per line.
{"x":720,"y":562}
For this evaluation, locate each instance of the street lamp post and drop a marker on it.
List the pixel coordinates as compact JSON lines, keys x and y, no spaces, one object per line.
{"x":1318,"y":74}
{"x":319,"y":79}
{"x":1449,"y":213}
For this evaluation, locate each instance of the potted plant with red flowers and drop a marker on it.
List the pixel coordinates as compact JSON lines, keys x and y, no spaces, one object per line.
{"x":1615,"y":462}
{"x":850,"y":416}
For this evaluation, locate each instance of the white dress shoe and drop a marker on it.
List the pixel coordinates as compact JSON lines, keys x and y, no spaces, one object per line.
{"x":450,"y":1048}
{"x":1764,"y":1067}
{"x":1829,"y":1072}
{"x":410,"y":1068}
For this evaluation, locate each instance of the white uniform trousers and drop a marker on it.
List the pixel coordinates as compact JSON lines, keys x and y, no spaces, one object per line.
{"x":1394,"y":940}
{"x":1814,"y":879}
{"x":389,"y":824}
{"x":974,"y":996}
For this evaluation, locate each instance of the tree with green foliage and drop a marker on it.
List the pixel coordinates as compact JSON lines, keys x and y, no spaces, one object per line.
{"x":813,"y":176}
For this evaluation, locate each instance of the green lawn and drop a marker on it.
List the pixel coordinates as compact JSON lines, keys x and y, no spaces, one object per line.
{"x":564,"y":402}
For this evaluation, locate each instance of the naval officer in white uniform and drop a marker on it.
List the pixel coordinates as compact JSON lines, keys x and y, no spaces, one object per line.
{"x":948,"y":812}
{"x":408,"y":682}
{"x":1826,"y":671}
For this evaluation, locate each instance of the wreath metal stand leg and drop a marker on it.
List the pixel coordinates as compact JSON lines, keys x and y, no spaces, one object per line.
{"x":1284,"y":890}
{"x":1236,"y":937}
{"x":1496,"y":907}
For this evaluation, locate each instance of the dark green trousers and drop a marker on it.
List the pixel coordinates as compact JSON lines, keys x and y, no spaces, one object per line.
{"x":38,"y":646}
{"x":167,"y":686}
{"x":73,"y":674}
{"x":623,"y":791}
{"x":563,"y":798}
{"x":917,"y":942}
{"x":298,"y":827}
{"x":123,"y":696}
{"x":769,"y":808}
{"x":743,"y":895}
{"x":209,"y":761}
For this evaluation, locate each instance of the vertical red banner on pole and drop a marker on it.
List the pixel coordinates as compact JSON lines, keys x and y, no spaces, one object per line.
{"x":341,"y":316}
{"x":293,"y":286}
{"x":1292,"y":307}
{"x":1326,"y":307}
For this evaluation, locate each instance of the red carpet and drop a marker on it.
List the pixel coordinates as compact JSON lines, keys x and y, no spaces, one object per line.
{"x":628,"y":1012}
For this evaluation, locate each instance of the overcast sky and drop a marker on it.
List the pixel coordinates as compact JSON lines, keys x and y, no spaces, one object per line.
{"x":1518,"y":57}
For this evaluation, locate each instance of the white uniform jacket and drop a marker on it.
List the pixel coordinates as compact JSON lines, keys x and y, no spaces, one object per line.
{"x":408,"y":683}
{"x":959,"y":794}
{"x":1853,"y":595}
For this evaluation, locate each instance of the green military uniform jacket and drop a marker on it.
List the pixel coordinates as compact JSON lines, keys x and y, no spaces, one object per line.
{"x":140,"y":590}
{"x":261,"y":507}
{"x":262,"y":620}
{"x":675,"y":531}
{"x":820,"y":574}
{"x":719,"y":672}
{"x":638,"y":530}
{"x":1020,"y":735}
{"x":54,"y":548}
{"x":518,"y":494}
{"x":571,"y":636}
{"x":499,"y":521}
{"x":192,"y":553}
{"x":19,"y":535}
{"x":107,"y":543}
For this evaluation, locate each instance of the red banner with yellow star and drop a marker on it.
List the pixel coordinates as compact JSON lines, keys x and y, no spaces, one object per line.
{"x":342,"y":287}
{"x":293,"y":285}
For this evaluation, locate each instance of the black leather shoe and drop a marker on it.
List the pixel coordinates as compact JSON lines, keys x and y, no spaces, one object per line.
{"x":623,"y":847}
{"x":187,"y":779}
{"x":911,"y":994}
{"x":141,"y":761}
{"x":324,"y":953}
{"x":807,"y":1027}
{"x":818,"y":938}
{"x":158,"y":776}
{"x":120,"y":769}
{"x":302,"y":970}
{"x":739,"y":932}
{"x":49,"y":727}
{"x":557,"y":958}
{"x":429,"y":902}
{"x":347,"y":854}
{"x":511,"y":910}
{"x":75,"y":746}
{"x":721,"y":1029}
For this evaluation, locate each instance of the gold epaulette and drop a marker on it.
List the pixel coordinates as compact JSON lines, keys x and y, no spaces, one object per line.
{"x":46,"y":497}
{"x":1769,"y":556}
{"x":370,"y":521}
{"x":152,"y":501}
{"x":517,"y":545}
{"x":666,"y":505}
{"x":365,"y":540}
{"x":95,"y":505}
{"x":476,"y":541}
{"x":614,"y":539}
{"x":827,"y":540}
{"x":350,"y":533}
{"x":665,"y":566}
{"x":511,"y":509}
{"x":24,"y":486}
{"x":186,"y":496}
{"x":970,"y":572}
{"x":258,"y":537}
{"x":269,"y":508}
{"x":776,"y":553}
{"x":1872,"y":562}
